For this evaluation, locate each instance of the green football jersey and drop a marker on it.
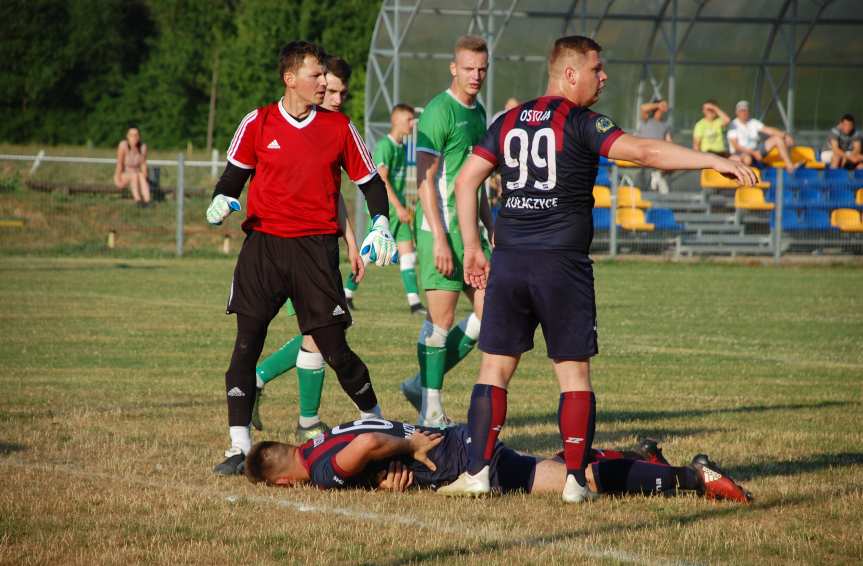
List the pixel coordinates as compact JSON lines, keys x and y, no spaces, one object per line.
{"x":393,"y":156}
{"x":449,"y":129}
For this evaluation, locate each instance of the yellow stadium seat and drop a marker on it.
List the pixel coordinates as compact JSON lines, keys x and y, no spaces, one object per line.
{"x":713,"y":179}
{"x":633,"y":219}
{"x":630,"y":197}
{"x":799,"y":154}
{"x":750,"y":198}
{"x":624,"y":163}
{"x":601,"y":197}
{"x":859,"y":199}
{"x":846,"y":219}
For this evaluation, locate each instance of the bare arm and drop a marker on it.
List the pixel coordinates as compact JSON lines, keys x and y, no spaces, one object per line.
{"x":834,"y":145}
{"x":375,"y":446}
{"x":144,"y":159}
{"x":658,"y":154}
{"x":722,"y":115}
{"x":485,"y":213}
{"x":771,"y":131}
{"x":121,"y":157}
{"x":427,"y":167}
{"x":856,"y":147}
{"x":469,"y":180}
{"x":737,"y":148}
{"x":400,"y":209}
{"x":647,"y":109}
{"x":696,"y":143}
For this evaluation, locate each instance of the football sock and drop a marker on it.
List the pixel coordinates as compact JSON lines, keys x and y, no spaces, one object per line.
{"x":241,"y":438}
{"x":485,"y":418}
{"x":374,"y":413}
{"x":431,"y":402}
{"x":240,"y":377}
{"x":352,"y":373}
{"x":431,"y":352}
{"x":310,"y":378}
{"x":407,"y":266}
{"x":632,"y":476}
{"x":461,"y":340}
{"x":280,"y":361}
{"x":576,"y":421}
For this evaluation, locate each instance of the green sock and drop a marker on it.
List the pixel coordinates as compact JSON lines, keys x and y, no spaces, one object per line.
{"x":310,"y":378}
{"x":351,"y":284}
{"x":432,"y":361}
{"x":458,"y":346}
{"x":409,"y":280}
{"x":280,"y":361}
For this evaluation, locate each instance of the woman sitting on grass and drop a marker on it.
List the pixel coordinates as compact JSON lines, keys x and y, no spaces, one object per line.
{"x":131,"y":168}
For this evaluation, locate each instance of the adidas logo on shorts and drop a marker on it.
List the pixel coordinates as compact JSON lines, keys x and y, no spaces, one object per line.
{"x":236,"y":392}
{"x":338,"y":311}
{"x":274,"y":145}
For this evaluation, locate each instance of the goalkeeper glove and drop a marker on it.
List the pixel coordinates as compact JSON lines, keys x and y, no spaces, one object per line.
{"x":220,"y":208}
{"x":379,"y":247}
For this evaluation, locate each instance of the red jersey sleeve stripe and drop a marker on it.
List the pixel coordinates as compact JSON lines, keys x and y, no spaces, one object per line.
{"x":485,"y":154}
{"x":609,"y":141}
{"x":241,"y":129}
{"x":364,"y":151}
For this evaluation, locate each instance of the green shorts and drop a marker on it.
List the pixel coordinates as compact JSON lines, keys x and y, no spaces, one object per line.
{"x":401,"y":232}
{"x":429,"y":276}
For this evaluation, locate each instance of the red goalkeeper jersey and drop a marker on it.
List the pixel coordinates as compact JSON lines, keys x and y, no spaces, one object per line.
{"x":297,"y":168}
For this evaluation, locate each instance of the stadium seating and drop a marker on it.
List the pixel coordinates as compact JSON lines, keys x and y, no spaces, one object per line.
{"x":841,"y":197}
{"x":633,"y":219}
{"x":799,"y":154}
{"x":663,"y":219}
{"x":630,"y":197}
{"x":601,"y":218}
{"x":750,"y":198}
{"x":624,"y":163}
{"x":713,"y":179}
{"x":858,"y":173}
{"x":859,"y":199}
{"x":793,"y":219}
{"x":836,"y":175}
{"x":846,"y":219}
{"x":816,"y":219}
{"x":603,"y":177}
{"x":601,"y":197}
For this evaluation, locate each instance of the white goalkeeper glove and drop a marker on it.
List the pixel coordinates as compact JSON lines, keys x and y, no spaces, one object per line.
{"x":220,"y":208}
{"x":379,"y":247}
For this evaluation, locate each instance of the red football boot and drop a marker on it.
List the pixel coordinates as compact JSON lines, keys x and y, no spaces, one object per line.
{"x":716,"y":484}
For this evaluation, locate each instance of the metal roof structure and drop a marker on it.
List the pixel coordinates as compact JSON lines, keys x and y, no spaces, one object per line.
{"x":798,"y":61}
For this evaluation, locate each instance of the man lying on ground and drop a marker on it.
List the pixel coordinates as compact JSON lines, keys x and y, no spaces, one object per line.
{"x":377,"y":453}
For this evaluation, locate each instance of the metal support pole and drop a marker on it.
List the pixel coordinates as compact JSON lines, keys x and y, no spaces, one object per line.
{"x":180,"y":195}
{"x":672,"y":59}
{"x":792,"y":64}
{"x":777,"y":223}
{"x":396,"y":66}
{"x":489,"y":79}
{"x":612,"y":213}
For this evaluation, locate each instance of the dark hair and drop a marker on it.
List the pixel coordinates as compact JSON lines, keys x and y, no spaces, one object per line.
{"x":140,"y":137}
{"x":292,"y":55}
{"x":848,"y":117}
{"x":711,"y":101}
{"x":260,"y":460}
{"x":340,"y":68}
{"x":403,"y":108}
{"x":578,"y":43}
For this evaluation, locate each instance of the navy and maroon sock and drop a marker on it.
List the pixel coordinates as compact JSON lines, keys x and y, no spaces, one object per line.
{"x":632,"y":476}
{"x":576,"y":419}
{"x":485,"y":418}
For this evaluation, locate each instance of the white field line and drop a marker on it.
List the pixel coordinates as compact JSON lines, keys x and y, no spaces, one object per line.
{"x":590,"y":551}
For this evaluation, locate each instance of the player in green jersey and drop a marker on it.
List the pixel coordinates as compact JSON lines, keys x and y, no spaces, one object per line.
{"x":452,"y":122}
{"x":390,"y":158}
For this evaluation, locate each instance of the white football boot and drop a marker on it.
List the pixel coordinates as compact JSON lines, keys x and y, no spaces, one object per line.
{"x":467,"y":485}
{"x":574,"y":493}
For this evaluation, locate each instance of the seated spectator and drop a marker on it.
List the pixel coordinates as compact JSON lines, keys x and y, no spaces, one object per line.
{"x":709,"y":133}
{"x":744,"y":139}
{"x":131,"y":170}
{"x":843,"y":147}
{"x":654,"y":126}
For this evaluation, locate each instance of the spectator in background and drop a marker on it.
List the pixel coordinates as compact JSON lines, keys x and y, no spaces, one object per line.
{"x":510,"y":103}
{"x":746,"y":144}
{"x":843,"y":147}
{"x":709,"y":133}
{"x":653,"y":125}
{"x":131,"y":170}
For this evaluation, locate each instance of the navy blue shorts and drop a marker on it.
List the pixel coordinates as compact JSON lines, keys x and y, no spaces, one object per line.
{"x":551,"y":289}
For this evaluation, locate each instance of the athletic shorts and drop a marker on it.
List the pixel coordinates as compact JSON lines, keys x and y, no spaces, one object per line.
{"x":551,"y":289}
{"x":271,"y":270}
{"x":508,"y":470}
{"x":429,"y":276}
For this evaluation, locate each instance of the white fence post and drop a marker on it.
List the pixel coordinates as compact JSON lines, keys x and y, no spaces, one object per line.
{"x":38,"y":161}
{"x":180,"y":195}
{"x":214,"y":168}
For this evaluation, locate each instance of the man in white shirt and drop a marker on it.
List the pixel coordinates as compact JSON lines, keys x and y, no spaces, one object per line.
{"x":746,"y":143}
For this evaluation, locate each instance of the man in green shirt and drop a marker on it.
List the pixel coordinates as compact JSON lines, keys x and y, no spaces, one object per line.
{"x":452,"y":122}
{"x":390,"y":158}
{"x":709,"y":132}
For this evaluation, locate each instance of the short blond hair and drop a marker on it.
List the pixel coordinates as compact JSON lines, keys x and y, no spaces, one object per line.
{"x":470,"y":43}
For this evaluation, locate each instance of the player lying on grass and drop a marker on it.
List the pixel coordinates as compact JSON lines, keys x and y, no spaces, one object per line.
{"x":393,"y":455}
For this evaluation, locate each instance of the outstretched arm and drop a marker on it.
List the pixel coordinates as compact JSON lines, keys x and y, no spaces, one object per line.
{"x":658,"y":154}
{"x":376,"y":446}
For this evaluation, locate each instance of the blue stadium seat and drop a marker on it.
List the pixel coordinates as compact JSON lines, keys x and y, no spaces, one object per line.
{"x":841,"y":197}
{"x":836,"y":176}
{"x":769,"y":175}
{"x":663,"y":218}
{"x":601,"y":218}
{"x":858,"y":173}
{"x":602,"y":177}
{"x":812,"y":197}
{"x":792,"y":219}
{"x":816,"y":219}
{"x":604,"y":161}
{"x":807,"y":175}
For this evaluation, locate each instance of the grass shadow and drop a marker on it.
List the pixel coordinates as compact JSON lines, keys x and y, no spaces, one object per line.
{"x":7,"y":448}
{"x":550,"y":442}
{"x":795,"y":467}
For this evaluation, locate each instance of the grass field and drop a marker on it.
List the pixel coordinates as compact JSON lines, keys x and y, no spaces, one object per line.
{"x":112,"y":416}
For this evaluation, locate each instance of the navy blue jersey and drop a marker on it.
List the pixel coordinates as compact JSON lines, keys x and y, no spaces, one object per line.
{"x":547,"y":152}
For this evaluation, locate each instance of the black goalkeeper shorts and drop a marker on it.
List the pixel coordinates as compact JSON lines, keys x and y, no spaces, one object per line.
{"x":271,"y":270}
